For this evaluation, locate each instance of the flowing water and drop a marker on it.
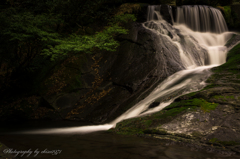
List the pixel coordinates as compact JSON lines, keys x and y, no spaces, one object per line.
{"x":201,"y":18}
{"x":199,"y":51}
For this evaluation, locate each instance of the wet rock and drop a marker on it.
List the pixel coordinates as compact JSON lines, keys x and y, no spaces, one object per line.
{"x":166,"y":14}
{"x":154,"y":104}
{"x":209,"y":118}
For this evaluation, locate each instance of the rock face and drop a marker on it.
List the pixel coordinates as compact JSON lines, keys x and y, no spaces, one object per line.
{"x":110,"y":83}
{"x":101,"y":86}
{"x":128,"y":75}
{"x":207,"y":119}
{"x":165,"y":13}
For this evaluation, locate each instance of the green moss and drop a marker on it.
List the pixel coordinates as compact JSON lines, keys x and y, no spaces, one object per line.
{"x":213,"y":140}
{"x":231,"y":17}
{"x":126,"y":122}
{"x":217,"y":97}
{"x":172,"y":112}
{"x":224,"y":98}
{"x":129,"y":131}
{"x":193,"y":103}
{"x":230,"y":97}
{"x":225,"y":143}
{"x":177,"y":107}
{"x":148,"y":122}
{"x":228,"y":143}
{"x":227,"y":15}
{"x":142,"y":125}
{"x":190,"y":95}
{"x":196,"y":134}
{"x":210,"y":85}
{"x":209,"y":107}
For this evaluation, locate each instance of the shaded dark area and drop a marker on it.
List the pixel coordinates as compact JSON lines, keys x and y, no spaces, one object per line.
{"x":102,"y":145}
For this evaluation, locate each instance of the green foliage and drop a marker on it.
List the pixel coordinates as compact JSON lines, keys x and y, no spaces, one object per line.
{"x":26,"y":26}
{"x":37,"y":35}
{"x":122,"y":18}
{"x":22,"y":26}
{"x":227,"y":14}
{"x":103,"y":40}
{"x":231,"y":17}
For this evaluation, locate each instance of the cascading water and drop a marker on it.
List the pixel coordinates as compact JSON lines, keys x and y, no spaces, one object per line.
{"x":154,"y":12}
{"x":198,"y":52}
{"x":201,"y":18}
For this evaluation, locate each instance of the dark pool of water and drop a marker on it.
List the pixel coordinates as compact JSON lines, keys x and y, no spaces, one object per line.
{"x":98,"y":145}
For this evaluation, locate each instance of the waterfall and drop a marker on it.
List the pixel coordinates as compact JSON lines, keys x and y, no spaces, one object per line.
{"x":201,"y":18}
{"x":196,"y":46}
{"x":199,"y":51}
{"x":196,"y":52}
{"x":154,"y":12}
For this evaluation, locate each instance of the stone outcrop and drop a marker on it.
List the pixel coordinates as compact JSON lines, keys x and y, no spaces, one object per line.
{"x":127,"y":76}
{"x":208,"y":119}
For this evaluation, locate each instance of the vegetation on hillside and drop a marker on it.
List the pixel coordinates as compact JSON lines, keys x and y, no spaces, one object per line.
{"x":36,"y":34}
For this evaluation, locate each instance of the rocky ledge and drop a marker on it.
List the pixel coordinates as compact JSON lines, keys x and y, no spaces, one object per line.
{"x":208,"y":119}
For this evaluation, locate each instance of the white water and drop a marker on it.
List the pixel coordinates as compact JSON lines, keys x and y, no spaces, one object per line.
{"x":201,"y":18}
{"x":154,"y":12}
{"x":212,"y":42}
{"x":189,"y":80}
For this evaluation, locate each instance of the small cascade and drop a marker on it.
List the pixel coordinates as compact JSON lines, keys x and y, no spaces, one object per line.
{"x":160,"y":12}
{"x":201,"y":18}
{"x":154,"y":12}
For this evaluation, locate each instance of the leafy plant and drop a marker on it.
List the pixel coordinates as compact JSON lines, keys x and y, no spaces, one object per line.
{"x":103,"y":40}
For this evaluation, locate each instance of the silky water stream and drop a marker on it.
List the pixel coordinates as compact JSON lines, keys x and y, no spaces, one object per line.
{"x":198,"y":52}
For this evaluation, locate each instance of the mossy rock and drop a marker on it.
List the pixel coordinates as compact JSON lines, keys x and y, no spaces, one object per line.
{"x":225,"y":143}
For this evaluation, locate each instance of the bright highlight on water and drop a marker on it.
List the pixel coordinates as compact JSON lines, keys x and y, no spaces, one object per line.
{"x":199,"y":51}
